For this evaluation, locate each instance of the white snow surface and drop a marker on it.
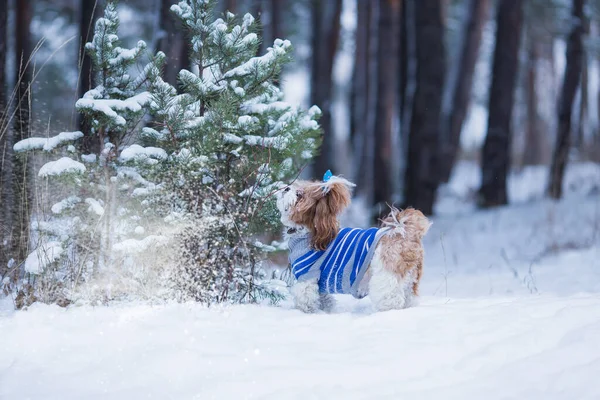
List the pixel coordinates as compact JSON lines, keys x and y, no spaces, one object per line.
{"x":501,"y":348}
{"x":64,"y":165}
{"x":46,"y":144}
{"x":136,"y":152}
{"x":510,"y":309}
{"x":47,"y":253}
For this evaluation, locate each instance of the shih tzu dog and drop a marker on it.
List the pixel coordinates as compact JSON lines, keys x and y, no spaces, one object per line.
{"x":385,"y":263}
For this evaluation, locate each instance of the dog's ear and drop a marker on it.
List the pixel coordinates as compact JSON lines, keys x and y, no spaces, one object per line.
{"x":333,"y":197}
{"x":318,"y":209}
{"x":337,"y":192}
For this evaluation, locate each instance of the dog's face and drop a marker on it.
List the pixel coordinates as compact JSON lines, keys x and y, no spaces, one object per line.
{"x":315,"y":206}
{"x":286,"y":203}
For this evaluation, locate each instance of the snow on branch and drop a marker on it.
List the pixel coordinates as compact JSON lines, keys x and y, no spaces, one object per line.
{"x":62,"y":166}
{"x":46,"y":144}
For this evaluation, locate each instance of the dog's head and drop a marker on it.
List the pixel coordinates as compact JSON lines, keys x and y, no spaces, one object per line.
{"x":316,"y":207}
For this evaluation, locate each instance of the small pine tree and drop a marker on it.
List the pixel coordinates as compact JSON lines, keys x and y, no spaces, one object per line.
{"x":214,"y":155}
{"x":233,"y":142}
{"x":94,"y":197}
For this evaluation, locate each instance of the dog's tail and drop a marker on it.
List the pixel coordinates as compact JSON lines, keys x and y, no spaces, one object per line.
{"x":408,"y":222}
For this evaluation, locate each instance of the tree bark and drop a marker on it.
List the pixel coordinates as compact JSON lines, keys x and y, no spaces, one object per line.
{"x":385,"y":101}
{"x":461,"y":92}
{"x":276,"y":25}
{"x":326,"y":30}
{"x":569,"y":88}
{"x":21,"y":205}
{"x":583,"y":104}
{"x":231,"y":6}
{"x":4,"y":138}
{"x":533,"y":136}
{"x":422,"y":169}
{"x":360,"y":76}
{"x":364,"y":148}
{"x":277,"y":19}
{"x":87,"y":13}
{"x":172,"y":43}
{"x":496,"y":150}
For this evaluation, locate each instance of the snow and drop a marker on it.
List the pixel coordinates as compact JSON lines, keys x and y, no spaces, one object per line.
{"x":88,"y":158}
{"x":64,"y":165}
{"x":140,"y":245}
{"x":537,"y":347}
{"x":46,"y":144}
{"x":65,"y":204}
{"x":108,"y":106}
{"x":136,"y":152}
{"x":37,"y":261}
{"x":94,"y":206}
{"x":509,"y":310}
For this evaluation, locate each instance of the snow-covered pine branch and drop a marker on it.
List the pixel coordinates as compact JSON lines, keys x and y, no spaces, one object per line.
{"x":231,"y":140}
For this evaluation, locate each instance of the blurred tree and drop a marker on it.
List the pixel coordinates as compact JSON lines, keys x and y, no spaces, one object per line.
{"x":583,"y":103}
{"x":277,"y":19}
{"x":533,"y":136}
{"x":475,"y":19}
{"x":172,"y":43}
{"x":3,"y":50}
{"x":359,"y":92}
{"x":276,"y":23}
{"x":325,"y":37}
{"x":567,"y":96}
{"x":231,"y":6}
{"x":3,"y":136}
{"x":422,"y":169}
{"x":87,"y":14}
{"x":21,"y":196}
{"x":407,"y":66}
{"x":385,"y":105}
{"x":495,"y":158}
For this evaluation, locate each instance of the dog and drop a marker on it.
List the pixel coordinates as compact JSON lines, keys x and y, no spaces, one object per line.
{"x":385,"y":263}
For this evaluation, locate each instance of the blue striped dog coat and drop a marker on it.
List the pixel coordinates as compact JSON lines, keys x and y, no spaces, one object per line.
{"x":340,"y":267}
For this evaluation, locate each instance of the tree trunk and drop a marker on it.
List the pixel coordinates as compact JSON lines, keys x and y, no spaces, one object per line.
{"x":326,"y":30}
{"x":4,"y":139}
{"x":461,"y":92}
{"x":583,"y":104}
{"x":496,"y":150}
{"x":21,"y":205}
{"x":87,"y":13}
{"x":422,"y":168}
{"x":172,"y":43}
{"x":569,"y":88}
{"x":277,"y":19}
{"x":360,"y":76}
{"x":364,"y":148}
{"x":407,"y":84}
{"x":533,"y":137}
{"x":276,"y":25}
{"x":231,"y":6}
{"x":385,"y":101}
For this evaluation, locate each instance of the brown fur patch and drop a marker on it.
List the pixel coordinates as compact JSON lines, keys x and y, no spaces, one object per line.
{"x":404,"y":251}
{"x":318,"y":210}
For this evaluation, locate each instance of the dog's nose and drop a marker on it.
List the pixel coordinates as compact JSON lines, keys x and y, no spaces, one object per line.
{"x":287,"y":189}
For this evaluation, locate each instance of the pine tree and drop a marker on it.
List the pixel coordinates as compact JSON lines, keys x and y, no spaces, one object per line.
{"x":213,"y":156}
{"x":91,"y":194}
{"x":233,"y":142}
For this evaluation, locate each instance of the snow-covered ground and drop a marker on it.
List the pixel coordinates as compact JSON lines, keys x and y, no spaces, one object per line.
{"x":510,"y":310}
{"x":541,"y":347}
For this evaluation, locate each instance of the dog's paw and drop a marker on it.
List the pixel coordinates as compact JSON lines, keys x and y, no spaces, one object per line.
{"x":327,"y":302}
{"x":306,"y":296}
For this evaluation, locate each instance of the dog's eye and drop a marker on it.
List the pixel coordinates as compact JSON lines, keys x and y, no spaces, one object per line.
{"x":299,"y":195}
{"x":287,"y":189}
